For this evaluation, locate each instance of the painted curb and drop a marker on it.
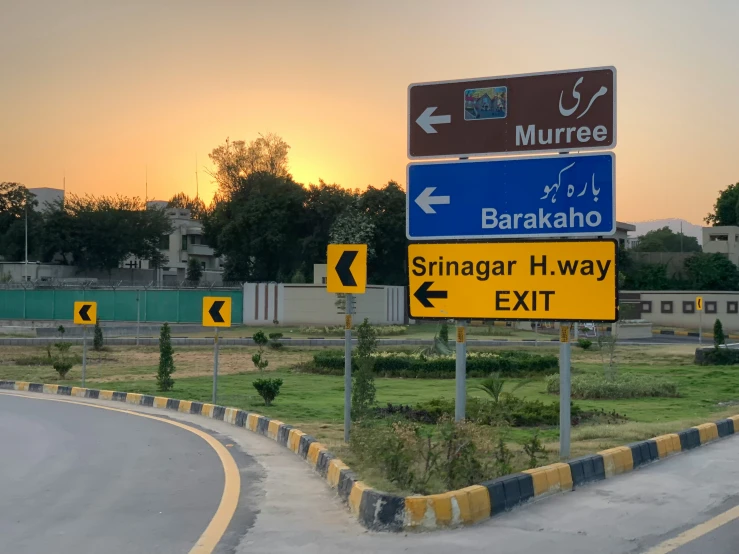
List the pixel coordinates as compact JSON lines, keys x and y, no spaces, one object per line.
{"x":382,"y":511}
{"x":680,"y":333}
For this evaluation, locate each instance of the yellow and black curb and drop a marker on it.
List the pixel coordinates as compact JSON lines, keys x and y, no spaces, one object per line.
{"x":681,"y":333}
{"x":382,"y":511}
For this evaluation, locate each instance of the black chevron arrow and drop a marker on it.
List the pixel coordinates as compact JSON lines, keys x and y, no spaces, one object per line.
{"x":423,"y":294}
{"x":344,"y":268}
{"x":84,"y":316}
{"x":215,"y":311}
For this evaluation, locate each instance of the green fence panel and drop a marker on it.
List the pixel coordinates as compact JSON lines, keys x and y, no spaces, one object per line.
{"x":174,"y":306}
{"x":191,"y":305}
{"x":64,"y":300}
{"x":125,"y":304}
{"x":11,"y":304}
{"x":161,"y":305}
{"x":106,"y":303}
{"x":39,"y":304}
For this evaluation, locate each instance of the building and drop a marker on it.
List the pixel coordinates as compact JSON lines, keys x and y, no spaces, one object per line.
{"x":184,"y":242}
{"x":46,"y":196}
{"x":722,"y":240}
{"x":622,"y":233}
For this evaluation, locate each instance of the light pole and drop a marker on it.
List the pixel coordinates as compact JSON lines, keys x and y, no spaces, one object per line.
{"x":25,"y":267}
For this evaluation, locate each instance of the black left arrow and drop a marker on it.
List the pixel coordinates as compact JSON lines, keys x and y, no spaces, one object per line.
{"x":344,"y":268}
{"x":215,"y":311}
{"x":84,"y":316}
{"x":423,"y":294}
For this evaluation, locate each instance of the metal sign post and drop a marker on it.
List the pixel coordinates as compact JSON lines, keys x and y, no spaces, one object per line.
{"x":564,"y":391}
{"x":215,"y":365}
{"x":348,"y":366}
{"x":84,"y":354}
{"x":216,"y":313}
{"x":460,"y":398}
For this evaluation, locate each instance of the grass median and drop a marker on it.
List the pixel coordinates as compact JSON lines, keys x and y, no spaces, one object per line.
{"x":314,"y":403}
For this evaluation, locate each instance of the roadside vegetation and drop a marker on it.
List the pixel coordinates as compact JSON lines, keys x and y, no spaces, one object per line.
{"x":627,"y":394}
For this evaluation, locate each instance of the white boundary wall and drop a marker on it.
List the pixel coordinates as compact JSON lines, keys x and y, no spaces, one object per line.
{"x":310,"y":304}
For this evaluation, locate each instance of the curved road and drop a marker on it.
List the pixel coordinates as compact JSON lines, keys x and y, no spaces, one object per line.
{"x":81,"y":479}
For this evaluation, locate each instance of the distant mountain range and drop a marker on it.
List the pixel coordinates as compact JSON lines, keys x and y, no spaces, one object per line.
{"x":690,"y":230}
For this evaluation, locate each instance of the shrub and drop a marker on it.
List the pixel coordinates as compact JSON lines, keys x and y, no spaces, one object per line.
{"x":363,"y":389}
{"x":718,"y":334}
{"x":62,"y":363}
{"x":97,"y":340}
{"x":585,"y":344}
{"x":62,"y":367}
{"x":259,"y":361}
{"x":268,"y":389}
{"x":274,"y":341}
{"x":535,"y":450}
{"x":621,"y":386}
{"x":444,"y":332}
{"x":719,"y":356}
{"x":338,"y":330}
{"x":479,"y":364}
{"x":510,"y":410}
{"x":260,"y":339}
{"x":194,"y":271}
{"x":166,"y":360}
{"x":366,"y":339}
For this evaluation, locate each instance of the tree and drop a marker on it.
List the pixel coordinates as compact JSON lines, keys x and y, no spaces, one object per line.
{"x":194,"y":271}
{"x":100,"y":233}
{"x":386,"y":209}
{"x":17,"y":203}
{"x":166,"y":360}
{"x":725,"y":208}
{"x":195,"y":205}
{"x":665,"y":240}
{"x":354,"y":226}
{"x":237,"y":160}
{"x":363,"y":380}
{"x":711,"y":272}
{"x":258,"y":228}
{"x":718,"y":334}
{"x":97,"y":339}
{"x":323,"y":204}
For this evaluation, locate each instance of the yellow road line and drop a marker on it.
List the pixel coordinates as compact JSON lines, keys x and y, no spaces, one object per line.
{"x":232,"y":479}
{"x":696,"y":532}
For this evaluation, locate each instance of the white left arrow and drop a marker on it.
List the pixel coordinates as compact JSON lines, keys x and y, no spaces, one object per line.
{"x":426,"y":120}
{"x":425,"y":200}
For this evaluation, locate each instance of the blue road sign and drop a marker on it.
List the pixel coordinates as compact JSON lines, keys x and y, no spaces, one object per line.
{"x":552,"y":196}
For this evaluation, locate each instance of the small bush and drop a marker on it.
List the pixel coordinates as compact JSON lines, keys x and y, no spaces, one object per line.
{"x":260,"y":339}
{"x":166,"y":360}
{"x":621,"y":386}
{"x":444,"y":332}
{"x":509,"y":410}
{"x":268,"y":389}
{"x":274,"y":341}
{"x":718,"y":334}
{"x":62,"y":367}
{"x":511,"y":363}
{"x":259,"y":361}
{"x":363,"y":390}
{"x":366,"y":339}
{"x":97,"y":338}
{"x":719,"y":356}
{"x":585,"y":344}
{"x":338,"y":330}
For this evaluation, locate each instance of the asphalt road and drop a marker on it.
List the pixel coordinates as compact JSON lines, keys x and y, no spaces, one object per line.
{"x":77,"y":479}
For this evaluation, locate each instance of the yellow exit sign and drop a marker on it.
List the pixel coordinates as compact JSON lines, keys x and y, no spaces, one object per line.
{"x":573,"y":280}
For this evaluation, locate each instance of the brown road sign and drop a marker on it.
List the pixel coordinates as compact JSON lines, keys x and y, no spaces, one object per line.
{"x":556,"y":111}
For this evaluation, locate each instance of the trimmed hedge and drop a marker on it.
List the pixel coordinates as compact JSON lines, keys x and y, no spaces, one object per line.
{"x":511,"y":410}
{"x":626,"y":385}
{"x":508,"y":363}
{"x":717,"y":356}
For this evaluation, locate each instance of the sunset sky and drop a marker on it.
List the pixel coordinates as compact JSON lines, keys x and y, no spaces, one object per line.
{"x":101,"y":90}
